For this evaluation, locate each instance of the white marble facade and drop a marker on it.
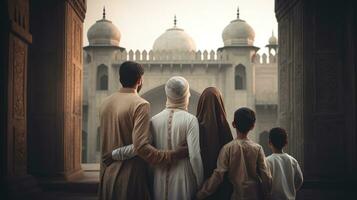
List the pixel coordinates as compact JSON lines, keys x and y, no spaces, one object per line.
{"x":244,"y":77}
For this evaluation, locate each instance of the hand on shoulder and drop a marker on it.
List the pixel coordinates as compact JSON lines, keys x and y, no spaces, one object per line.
{"x":107,"y":159}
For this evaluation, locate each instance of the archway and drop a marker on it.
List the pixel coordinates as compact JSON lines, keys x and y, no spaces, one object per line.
{"x":240,"y":77}
{"x":157,"y":99}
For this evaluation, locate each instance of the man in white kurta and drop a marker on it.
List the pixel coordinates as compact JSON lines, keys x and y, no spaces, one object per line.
{"x":170,"y":128}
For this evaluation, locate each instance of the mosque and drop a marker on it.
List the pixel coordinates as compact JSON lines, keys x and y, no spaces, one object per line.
{"x":244,"y":77}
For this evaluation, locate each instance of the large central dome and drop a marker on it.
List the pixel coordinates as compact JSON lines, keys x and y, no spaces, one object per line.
{"x":174,"y":39}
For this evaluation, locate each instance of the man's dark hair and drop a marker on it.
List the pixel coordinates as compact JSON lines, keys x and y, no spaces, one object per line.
{"x":278,"y":137}
{"x":244,"y":119}
{"x":129,"y":73}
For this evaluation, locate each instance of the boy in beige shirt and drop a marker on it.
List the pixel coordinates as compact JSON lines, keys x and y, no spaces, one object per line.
{"x":244,"y":161}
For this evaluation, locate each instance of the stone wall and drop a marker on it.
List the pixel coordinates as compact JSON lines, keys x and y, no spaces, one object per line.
{"x":317,"y":92}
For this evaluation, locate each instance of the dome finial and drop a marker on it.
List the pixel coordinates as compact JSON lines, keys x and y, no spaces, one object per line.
{"x":272,"y":33}
{"x":103,"y":12}
{"x":238,"y":12}
{"x":175,"y":21}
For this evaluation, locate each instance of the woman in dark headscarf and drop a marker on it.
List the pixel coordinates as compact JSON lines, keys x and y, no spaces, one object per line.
{"x":214,"y":134}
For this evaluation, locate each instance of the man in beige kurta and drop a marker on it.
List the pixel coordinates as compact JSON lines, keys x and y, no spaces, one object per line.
{"x":169,"y":129}
{"x":124,"y":120}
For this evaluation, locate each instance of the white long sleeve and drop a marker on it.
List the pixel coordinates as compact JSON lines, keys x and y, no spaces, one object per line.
{"x":298,"y":178}
{"x":123,"y":153}
{"x":193,"y":143}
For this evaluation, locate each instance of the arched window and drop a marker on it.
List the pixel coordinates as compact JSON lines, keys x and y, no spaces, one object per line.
{"x":102,"y":77}
{"x":240,"y":78}
{"x":97,"y":146}
{"x":104,"y":82}
{"x":88,"y":58}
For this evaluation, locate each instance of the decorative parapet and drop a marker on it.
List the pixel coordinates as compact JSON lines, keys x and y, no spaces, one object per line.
{"x":198,"y":56}
{"x":169,"y":55}
{"x":265,"y":59}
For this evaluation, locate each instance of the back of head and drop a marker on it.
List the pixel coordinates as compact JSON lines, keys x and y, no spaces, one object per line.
{"x":210,"y":106}
{"x":130,"y":72}
{"x":211,"y":99}
{"x":244,"y":119}
{"x":177,"y":92}
{"x":278,"y":137}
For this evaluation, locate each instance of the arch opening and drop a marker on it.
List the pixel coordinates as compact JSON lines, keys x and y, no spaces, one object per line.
{"x":102,"y":77}
{"x":240,"y":77}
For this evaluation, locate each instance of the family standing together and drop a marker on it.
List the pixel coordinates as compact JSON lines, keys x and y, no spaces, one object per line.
{"x":178,"y":156}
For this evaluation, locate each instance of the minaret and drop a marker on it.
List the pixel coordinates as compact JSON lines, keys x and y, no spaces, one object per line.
{"x":273,"y":43}
{"x":238,"y":40}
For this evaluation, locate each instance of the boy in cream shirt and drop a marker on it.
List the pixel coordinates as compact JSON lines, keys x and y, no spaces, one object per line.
{"x":285,"y":170}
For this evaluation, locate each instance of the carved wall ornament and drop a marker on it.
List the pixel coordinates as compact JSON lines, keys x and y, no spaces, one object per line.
{"x":80,"y":7}
{"x":73,"y":92}
{"x":19,"y":78}
{"x":20,"y":153}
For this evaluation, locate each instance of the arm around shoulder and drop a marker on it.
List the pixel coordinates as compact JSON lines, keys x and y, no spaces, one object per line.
{"x":212,"y":183}
{"x":141,"y":138}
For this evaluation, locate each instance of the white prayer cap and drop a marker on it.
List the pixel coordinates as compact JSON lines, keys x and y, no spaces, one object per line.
{"x":177,"y":92}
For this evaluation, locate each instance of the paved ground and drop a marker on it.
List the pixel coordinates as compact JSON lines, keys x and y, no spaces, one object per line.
{"x":84,"y":188}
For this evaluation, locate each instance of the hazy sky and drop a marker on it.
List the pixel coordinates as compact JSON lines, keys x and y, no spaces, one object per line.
{"x":142,"y":21}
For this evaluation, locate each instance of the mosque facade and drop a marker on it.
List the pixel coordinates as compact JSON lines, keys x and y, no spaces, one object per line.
{"x":244,"y":77}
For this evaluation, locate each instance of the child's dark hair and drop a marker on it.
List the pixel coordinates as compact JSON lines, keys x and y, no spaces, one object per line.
{"x":244,"y":119}
{"x":278,"y":137}
{"x":130,"y":72}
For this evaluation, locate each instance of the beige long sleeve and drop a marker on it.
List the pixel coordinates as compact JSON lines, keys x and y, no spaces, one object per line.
{"x":211,"y":184}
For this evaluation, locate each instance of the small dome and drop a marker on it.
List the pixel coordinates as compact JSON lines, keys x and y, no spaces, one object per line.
{"x":103,"y":33}
{"x":238,"y":33}
{"x":273,"y":40}
{"x":174,"y":39}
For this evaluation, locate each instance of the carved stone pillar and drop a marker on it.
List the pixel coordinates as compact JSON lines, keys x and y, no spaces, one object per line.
{"x":55,"y":88}
{"x":290,"y":74}
{"x":15,"y":39}
{"x":317,"y":92}
{"x":18,"y":39}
